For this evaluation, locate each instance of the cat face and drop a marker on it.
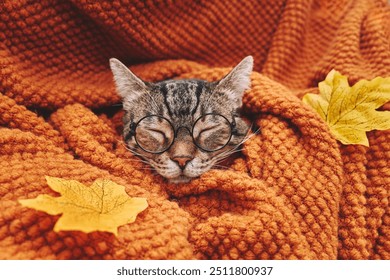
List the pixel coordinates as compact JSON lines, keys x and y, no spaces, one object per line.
{"x":183,"y":128}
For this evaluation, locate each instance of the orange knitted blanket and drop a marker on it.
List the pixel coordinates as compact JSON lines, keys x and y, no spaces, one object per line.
{"x":293,"y":193}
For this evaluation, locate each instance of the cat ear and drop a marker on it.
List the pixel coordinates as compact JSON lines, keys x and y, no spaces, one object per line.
{"x":237,"y":81}
{"x":128,"y":85}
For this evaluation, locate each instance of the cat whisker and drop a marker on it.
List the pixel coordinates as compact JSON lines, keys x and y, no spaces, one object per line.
{"x":137,"y":160}
{"x":235,"y":149}
{"x":145,"y":168}
{"x":248,"y":136}
{"x":221,"y":167}
{"x":225,"y":156}
{"x":140,"y":158}
{"x":133,"y":151}
{"x":137,"y":157}
{"x":228,"y":153}
{"x":123,"y":144}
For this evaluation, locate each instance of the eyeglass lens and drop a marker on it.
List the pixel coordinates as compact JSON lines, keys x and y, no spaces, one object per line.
{"x":211,"y":132}
{"x":154,"y":134}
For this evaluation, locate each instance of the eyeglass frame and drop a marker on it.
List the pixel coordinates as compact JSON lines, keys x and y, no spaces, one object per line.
{"x":133,"y":127}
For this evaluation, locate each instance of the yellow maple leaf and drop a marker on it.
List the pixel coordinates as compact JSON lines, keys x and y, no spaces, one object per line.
{"x":351,"y":111}
{"x":104,"y":206}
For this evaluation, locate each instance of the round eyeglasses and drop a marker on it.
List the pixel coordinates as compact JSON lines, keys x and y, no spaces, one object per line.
{"x":156,"y":134}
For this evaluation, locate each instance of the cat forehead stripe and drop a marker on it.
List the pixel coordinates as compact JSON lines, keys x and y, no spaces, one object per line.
{"x":182,"y":97}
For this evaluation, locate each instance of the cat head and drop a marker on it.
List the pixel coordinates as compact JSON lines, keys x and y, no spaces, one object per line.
{"x":183,"y":128}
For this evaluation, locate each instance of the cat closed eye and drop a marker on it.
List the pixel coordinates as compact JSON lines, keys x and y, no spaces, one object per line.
{"x":154,"y":134}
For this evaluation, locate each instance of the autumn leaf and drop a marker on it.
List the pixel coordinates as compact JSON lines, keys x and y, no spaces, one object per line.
{"x":104,"y":206}
{"x":351,"y":111}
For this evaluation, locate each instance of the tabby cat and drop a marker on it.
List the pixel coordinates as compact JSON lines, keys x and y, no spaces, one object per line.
{"x":183,"y":128}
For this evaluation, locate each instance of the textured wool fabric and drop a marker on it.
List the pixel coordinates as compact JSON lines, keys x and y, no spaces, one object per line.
{"x":293,"y":192}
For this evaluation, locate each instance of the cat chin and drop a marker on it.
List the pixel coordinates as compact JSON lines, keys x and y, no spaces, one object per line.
{"x":180,"y":179}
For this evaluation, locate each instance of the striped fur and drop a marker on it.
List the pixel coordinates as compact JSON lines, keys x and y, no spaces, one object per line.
{"x":182,"y":102}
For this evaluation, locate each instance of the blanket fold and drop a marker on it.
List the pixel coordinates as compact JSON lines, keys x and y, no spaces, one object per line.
{"x":293,"y":192}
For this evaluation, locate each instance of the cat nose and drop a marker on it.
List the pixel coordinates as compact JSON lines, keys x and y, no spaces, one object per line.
{"x":182,"y":160}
